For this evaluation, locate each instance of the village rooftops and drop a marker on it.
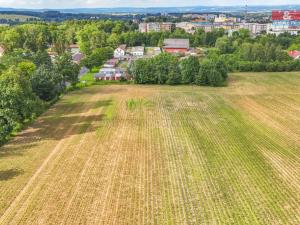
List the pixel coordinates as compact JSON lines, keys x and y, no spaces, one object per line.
{"x":177,"y":43}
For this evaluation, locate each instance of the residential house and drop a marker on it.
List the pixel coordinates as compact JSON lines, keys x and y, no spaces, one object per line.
{"x":143,"y":27}
{"x":137,"y":51}
{"x":110,"y":74}
{"x":119,"y":52}
{"x":74,"y":48}
{"x":222,"y":18}
{"x":169,"y":27}
{"x":77,"y":58}
{"x":295,"y":54}
{"x":176,"y":45}
{"x":111,"y":63}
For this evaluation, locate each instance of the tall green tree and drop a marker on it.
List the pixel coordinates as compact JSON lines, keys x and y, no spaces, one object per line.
{"x":189,"y":69}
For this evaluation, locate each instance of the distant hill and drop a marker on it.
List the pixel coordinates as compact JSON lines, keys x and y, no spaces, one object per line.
{"x":154,"y":10}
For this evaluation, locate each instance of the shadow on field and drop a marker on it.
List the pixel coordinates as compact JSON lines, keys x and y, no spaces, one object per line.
{"x":16,"y":150}
{"x":9,"y":174}
{"x":61,"y":108}
{"x":67,"y":120}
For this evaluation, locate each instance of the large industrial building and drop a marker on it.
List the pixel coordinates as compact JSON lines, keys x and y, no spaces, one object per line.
{"x":285,"y":21}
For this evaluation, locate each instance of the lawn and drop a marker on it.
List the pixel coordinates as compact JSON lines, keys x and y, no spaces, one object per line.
{"x":129,"y":154}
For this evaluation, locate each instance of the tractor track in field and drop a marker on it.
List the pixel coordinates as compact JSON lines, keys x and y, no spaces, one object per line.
{"x":181,"y":155}
{"x":33,"y":178}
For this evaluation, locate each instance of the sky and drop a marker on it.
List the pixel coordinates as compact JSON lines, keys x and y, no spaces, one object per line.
{"x":133,"y":3}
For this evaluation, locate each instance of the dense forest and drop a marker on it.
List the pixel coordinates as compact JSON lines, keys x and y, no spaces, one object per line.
{"x":30,"y":81}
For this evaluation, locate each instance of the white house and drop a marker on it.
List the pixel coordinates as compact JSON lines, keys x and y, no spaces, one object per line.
{"x":120,"y":52}
{"x":74,"y":49}
{"x":138,"y":51}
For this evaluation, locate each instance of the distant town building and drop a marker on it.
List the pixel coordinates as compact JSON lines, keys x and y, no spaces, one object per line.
{"x":254,"y":28}
{"x":285,"y":21}
{"x":167,"y":27}
{"x":187,"y":26}
{"x":294,"y":54}
{"x":120,"y":52}
{"x":153,"y":27}
{"x":156,"y":27}
{"x":176,"y":45}
{"x":224,"y":19}
{"x":143,"y":27}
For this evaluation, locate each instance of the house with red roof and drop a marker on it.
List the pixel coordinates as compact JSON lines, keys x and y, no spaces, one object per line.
{"x":295,"y":54}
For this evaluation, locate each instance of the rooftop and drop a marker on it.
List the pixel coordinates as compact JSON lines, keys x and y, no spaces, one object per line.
{"x":78,"y":57}
{"x":177,"y":43}
{"x":74,"y":46}
{"x":138,"y":49}
{"x":294,"y":54}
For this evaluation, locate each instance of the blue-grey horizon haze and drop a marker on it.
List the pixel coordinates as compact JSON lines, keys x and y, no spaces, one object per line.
{"x":35,"y":4}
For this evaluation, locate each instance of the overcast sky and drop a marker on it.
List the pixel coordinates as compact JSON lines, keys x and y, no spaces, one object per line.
{"x":132,"y":3}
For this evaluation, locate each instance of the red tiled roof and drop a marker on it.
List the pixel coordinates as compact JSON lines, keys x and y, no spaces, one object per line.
{"x":294,"y":54}
{"x":74,"y":46}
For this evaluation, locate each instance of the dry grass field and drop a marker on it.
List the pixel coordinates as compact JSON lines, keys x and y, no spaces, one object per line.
{"x":126,"y":154}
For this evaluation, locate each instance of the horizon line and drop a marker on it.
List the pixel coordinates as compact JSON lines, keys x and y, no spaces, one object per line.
{"x":134,"y":7}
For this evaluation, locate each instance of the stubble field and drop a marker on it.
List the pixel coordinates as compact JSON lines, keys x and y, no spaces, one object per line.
{"x":126,"y":154}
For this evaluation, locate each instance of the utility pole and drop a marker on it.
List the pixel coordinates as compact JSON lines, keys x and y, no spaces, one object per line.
{"x":246,"y":11}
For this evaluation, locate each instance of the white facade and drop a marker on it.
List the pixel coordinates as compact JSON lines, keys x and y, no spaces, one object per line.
{"x":119,"y":53}
{"x":255,"y":28}
{"x":138,"y":51}
{"x":143,"y":27}
{"x":276,"y":28}
{"x":74,"y":49}
{"x":153,"y":27}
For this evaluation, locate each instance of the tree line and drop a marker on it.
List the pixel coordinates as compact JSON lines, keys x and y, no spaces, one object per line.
{"x":265,"y":52}
{"x":168,"y":69}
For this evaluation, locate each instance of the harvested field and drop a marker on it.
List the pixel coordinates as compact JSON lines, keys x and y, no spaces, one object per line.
{"x":128,"y":154}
